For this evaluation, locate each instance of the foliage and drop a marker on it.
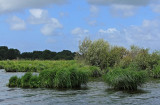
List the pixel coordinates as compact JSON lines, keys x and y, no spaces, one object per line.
{"x":156,"y":72}
{"x":125,"y":79}
{"x":11,"y":54}
{"x":116,"y":54}
{"x":60,"y":77}
{"x":13,"y":81}
{"x":97,"y":53}
{"x":25,"y":80}
{"x":83,"y":49}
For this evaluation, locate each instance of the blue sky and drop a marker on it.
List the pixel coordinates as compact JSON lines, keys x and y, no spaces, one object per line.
{"x":60,"y":24}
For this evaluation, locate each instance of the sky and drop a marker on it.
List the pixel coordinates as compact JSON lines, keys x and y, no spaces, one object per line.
{"x":58,"y":25}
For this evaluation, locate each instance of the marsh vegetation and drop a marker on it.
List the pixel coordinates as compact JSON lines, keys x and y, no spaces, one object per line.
{"x":120,"y":68}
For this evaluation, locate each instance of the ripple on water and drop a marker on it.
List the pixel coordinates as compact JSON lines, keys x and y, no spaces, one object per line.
{"x":96,"y":93}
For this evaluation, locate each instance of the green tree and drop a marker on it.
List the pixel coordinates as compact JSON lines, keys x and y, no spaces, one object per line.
{"x":98,"y":53}
{"x":116,"y":54}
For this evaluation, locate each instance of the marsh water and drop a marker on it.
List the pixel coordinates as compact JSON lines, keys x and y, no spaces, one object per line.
{"x":95,"y":93}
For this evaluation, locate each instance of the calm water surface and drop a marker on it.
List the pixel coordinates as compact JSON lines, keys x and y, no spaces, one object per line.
{"x":96,"y":93}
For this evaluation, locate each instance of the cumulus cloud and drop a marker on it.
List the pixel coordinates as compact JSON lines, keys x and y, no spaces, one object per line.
{"x":145,"y":35}
{"x":16,"y":23}
{"x":18,"y":5}
{"x":51,"y":25}
{"x":80,"y":33}
{"x":51,"y":28}
{"x":123,"y":10}
{"x":38,"y":16}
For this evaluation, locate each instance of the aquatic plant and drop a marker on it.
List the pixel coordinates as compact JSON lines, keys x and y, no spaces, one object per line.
{"x":13,"y":81}
{"x":25,"y":80}
{"x":47,"y":78}
{"x":34,"y":81}
{"x":125,"y":79}
{"x":69,"y":77}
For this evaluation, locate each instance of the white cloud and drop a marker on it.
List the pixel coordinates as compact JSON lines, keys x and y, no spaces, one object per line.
{"x":108,"y":31}
{"x":155,"y":7}
{"x":63,"y":14}
{"x":51,"y":28}
{"x":119,"y":2}
{"x":51,"y":25}
{"x":123,"y":10}
{"x":16,"y":23}
{"x":92,"y":23}
{"x":38,"y":16}
{"x":80,"y":33}
{"x":94,"y":10}
{"x":18,"y":5}
{"x":145,"y":35}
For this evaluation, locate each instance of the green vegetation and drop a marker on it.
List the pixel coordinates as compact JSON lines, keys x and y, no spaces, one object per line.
{"x":71,"y":77}
{"x":122,"y":68}
{"x":33,"y":66}
{"x":11,"y":54}
{"x":125,"y":79}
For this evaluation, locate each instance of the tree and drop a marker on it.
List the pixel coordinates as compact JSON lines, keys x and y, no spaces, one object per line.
{"x":3,"y":52}
{"x":116,"y":54}
{"x":13,"y":54}
{"x":98,"y":53}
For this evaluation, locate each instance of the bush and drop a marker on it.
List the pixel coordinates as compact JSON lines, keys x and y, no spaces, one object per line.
{"x":125,"y":79}
{"x":98,"y":53}
{"x":156,"y":72}
{"x":95,"y":71}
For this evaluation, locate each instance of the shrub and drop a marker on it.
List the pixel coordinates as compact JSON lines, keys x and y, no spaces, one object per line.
{"x":156,"y":72}
{"x":98,"y":53}
{"x":125,"y":79}
{"x":95,"y":71}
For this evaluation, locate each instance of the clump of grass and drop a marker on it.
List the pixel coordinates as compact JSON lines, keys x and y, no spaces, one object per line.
{"x":34,"y":82}
{"x":125,"y":79}
{"x":13,"y":81}
{"x":69,"y":77}
{"x":25,"y":80}
{"x":47,"y":78}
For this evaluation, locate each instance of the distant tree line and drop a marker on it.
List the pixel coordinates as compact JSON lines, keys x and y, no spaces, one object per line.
{"x":6,"y":53}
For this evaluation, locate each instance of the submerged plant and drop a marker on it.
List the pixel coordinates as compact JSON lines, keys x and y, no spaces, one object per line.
{"x":125,"y":79}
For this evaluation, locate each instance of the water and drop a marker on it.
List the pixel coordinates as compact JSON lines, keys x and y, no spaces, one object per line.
{"x":96,"y":93}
